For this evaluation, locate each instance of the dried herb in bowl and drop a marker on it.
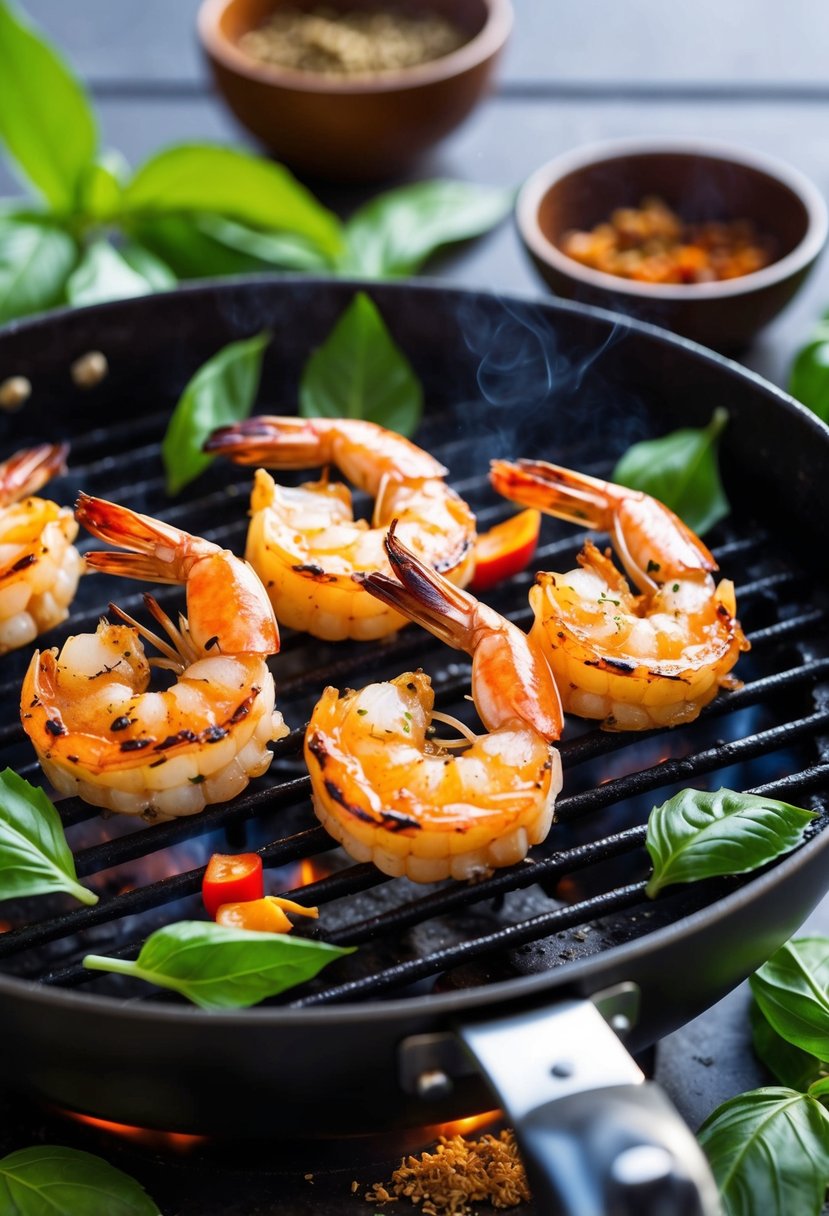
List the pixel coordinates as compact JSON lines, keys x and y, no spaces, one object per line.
{"x":358,"y":43}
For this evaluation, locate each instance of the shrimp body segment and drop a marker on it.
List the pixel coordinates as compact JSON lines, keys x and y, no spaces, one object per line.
{"x":39,"y":565}
{"x":102,"y":733}
{"x":305,"y":543}
{"x":392,"y":794}
{"x":393,"y":797}
{"x":635,"y":661}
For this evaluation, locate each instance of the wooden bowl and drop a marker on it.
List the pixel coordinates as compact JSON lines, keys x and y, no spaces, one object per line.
{"x":700,"y":180}
{"x":352,"y":128}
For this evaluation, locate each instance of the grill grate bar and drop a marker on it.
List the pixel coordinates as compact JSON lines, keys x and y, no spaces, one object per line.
{"x":363,"y":877}
{"x":290,"y":848}
{"x":521,"y":934}
{"x":672,"y":771}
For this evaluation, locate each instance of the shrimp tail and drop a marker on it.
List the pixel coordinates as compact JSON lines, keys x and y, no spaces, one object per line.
{"x":28,"y":470}
{"x":421,"y":594}
{"x":561,"y":492}
{"x":277,"y":442}
{"x":154,"y":548}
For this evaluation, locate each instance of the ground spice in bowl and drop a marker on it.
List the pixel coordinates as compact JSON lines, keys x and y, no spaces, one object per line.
{"x":357,"y":43}
{"x":651,"y":244}
{"x":457,"y":1174}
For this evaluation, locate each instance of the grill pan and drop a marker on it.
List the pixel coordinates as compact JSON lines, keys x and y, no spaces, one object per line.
{"x":452,"y":979}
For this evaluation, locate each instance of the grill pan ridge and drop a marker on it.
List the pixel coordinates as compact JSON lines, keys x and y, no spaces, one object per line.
{"x":553,"y":380}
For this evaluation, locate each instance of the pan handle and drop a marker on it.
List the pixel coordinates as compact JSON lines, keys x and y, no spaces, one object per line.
{"x":597,"y":1139}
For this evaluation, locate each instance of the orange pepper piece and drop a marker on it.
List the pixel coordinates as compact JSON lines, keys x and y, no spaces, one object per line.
{"x":265,"y":915}
{"x":505,"y":549}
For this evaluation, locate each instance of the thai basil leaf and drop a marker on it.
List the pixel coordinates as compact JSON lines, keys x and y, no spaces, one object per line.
{"x":222,"y":391}
{"x":35,"y":263}
{"x":235,"y":184}
{"x":792,"y":991}
{"x":158,"y":274}
{"x":700,"y":834}
{"x":809,"y":377}
{"x":53,"y":1181}
{"x":787,"y":1063}
{"x":359,"y":372}
{"x":34,"y":855}
{"x":286,"y":250}
{"x":395,"y":233}
{"x":190,"y":252}
{"x":46,"y":121}
{"x":222,"y":968}
{"x":103,"y":274}
{"x":102,"y":186}
{"x":769,"y":1153}
{"x":680,"y":470}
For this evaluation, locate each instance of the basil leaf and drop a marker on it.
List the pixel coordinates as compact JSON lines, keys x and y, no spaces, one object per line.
{"x":359,"y":372}
{"x":236,"y":184}
{"x":769,"y":1152}
{"x":102,"y":186}
{"x":788,"y":1064}
{"x":680,"y":470}
{"x":792,"y":991}
{"x":396,"y":232}
{"x":60,"y":1181}
{"x":34,"y":855}
{"x":157,"y":274}
{"x":46,"y":121}
{"x":809,"y":377}
{"x":190,"y":252}
{"x":222,"y":968}
{"x":35,"y":262}
{"x":222,"y":391}
{"x":287,"y":250}
{"x":102,"y":274}
{"x":700,"y":834}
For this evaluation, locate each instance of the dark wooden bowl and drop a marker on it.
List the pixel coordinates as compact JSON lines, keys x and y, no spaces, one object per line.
{"x":701,"y":180}
{"x":353,"y":128}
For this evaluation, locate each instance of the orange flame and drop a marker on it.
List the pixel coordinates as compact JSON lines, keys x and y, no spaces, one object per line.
{"x":472,"y":1123}
{"x":311,"y":870}
{"x":177,"y":1142}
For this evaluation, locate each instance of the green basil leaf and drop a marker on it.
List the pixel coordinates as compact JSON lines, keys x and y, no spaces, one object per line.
{"x":235,"y":184}
{"x":286,"y":250}
{"x":809,"y":377}
{"x":700,"y":834}
{"x":35,"y":262}
{"x":158,"y":274}
{"x":222,"y":968}
{"x":680,"y":470}
{"x":53,"y":1181}
{"x":34,"y":855}
{"x":102,"y":186}
{"x":102,"y":274}
{"x":222,"y":391}
{"x":46,"y":121}
{"x":396,"y":232}
{"x":359,"y":372}
{"x":792,"y":991}
{"x":190,"y":252}
{"x":769,"y":1152}
{"x":788,"y":1064}
{"x":819,"y":1088}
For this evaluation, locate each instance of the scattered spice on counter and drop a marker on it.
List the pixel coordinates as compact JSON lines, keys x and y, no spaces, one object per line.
{"x":457,"y":1174}
{"x":363,"y":42}
{"x":652,"y":244}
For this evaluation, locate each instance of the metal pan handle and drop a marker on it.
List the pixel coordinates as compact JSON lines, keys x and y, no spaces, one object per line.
{"x":597,"y":1139}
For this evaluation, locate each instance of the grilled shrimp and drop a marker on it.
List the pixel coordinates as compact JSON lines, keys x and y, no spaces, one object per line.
{"x":393,"y":795}
{"x":305,"y":543}
{"x":635,"y":661}
{"x":39,"y":565}
{"x":102,"y":734}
